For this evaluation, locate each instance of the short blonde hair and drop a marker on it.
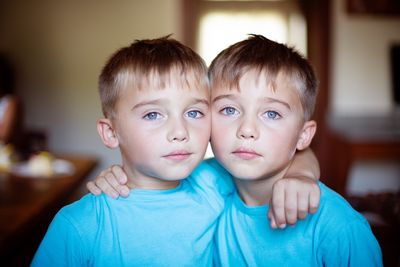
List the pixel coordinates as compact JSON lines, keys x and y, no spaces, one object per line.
{"x":264,"y":55}
{"x":149,"y":62}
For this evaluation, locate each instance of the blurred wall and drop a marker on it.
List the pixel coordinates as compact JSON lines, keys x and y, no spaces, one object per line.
{"x":361,"y":85}
{"x":59,"y":48}
{"x":361,"y":81}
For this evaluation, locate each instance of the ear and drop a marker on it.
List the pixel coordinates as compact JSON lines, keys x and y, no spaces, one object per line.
{"x":107,"y":133}
{"x":306,"y":135}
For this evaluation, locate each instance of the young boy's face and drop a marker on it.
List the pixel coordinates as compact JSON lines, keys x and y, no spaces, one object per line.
{"x":162,"y":133}
{"x":257,"y":129}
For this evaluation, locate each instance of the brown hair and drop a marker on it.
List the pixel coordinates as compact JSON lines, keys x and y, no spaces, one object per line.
{"x":262,"y":54}
{"x":150,"y":62}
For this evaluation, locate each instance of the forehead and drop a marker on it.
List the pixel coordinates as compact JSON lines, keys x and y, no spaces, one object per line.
{"x":255,"y":86}
{"x":188,"y":79}
{"x":176,"y":88}
{"x":257,"y":78}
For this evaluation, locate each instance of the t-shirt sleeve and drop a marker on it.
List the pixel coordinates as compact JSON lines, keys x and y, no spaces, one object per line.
{"x":353,"y":245}
{"x":61,"y":246}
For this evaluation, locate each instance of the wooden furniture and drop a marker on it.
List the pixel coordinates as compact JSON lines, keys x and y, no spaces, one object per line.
{"x":27,"y":206}
{"x":362,"y":138}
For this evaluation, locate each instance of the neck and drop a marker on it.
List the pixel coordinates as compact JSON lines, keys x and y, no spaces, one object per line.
{"x":258,"y":192}
{"x":139,"y":181}
{"x":151,"y":185}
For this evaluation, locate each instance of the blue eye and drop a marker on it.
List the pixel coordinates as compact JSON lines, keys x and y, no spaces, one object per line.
{"x":272,"y":115}
{"x":229,"y":111}
{"x":195,"y":114}
{"x":152,"y":116}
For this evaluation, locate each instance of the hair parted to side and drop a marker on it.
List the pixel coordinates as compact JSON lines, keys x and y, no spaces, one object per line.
{"x":150,"y":62}
{"x":261,"y":54}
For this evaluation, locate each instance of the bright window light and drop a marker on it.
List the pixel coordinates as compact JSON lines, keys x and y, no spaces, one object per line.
{"x":218,"y":30}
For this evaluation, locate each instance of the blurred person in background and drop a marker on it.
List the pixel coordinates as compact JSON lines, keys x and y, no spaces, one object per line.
{"x":10,"y":115}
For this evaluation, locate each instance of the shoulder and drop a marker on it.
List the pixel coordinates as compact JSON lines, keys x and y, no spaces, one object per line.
{"x":211,"y":174}
{"x":84,"y":211}
{"x":335,"y":206}
{"x":343,"y":232}
{"x":337,"y":217}
{"x":211,"y":182}
{"x":216,"y":166}
{"x":210,"y":167}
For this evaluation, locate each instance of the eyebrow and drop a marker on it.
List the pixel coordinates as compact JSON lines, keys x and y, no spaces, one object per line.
{"x":274,"y":100}
{"x":228,"y":96}
{"x":160,"y":100}
{"x":265,"y":99}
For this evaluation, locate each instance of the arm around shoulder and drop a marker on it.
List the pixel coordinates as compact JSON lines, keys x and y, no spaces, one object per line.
{"x":305,"y":164}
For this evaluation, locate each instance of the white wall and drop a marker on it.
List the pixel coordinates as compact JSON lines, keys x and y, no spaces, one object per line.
{"x":361,"y":82}
{"x":59,"y":48}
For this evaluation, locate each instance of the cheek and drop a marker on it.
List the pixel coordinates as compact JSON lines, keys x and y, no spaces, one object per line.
{"x":219,"y":138}
{"x":282,"y":142}
{"x":202,"y":135}
{"x":135,"y":133}
{"x":216,"y":130}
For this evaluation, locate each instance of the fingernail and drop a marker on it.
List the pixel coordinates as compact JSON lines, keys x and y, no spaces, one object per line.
{"x":125,"y":192}
{"x":282,"y":226}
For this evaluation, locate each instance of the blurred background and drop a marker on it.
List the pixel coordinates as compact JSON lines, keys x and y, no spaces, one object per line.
{"x":57,"y":49}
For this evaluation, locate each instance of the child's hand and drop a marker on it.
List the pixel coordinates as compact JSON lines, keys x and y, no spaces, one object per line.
{"x":112,"y":181}
{"x":293,"y":199}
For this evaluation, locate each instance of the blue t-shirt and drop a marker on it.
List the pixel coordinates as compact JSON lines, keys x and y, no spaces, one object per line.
{"x":149,"y":228}
{"x":336,"y":235}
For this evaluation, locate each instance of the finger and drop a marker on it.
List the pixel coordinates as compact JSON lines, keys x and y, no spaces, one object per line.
{"x":315,"y":198}
{"x":124,"y":190}
{"x":272,"y":219}
{"x":119,"y":174}
{"x":112,"y":181}
{"x":278,"y":205}
{"x":112,"y":178}
{"x":93,"y":188}
{"x":302,"y":205}
{"x":104,"y":186}
{"x":290,"y":206}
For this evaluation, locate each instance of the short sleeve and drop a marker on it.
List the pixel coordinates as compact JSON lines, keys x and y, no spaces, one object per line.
{"x":353,"y":245}
{"x":61,"y":246}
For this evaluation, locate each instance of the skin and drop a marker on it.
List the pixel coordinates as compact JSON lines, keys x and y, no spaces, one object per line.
{"x":256,"y":130}
{"x":162,"y":133}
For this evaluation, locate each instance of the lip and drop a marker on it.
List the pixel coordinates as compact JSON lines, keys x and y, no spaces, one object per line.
{"x":178,"y":155}
{"x":246,"y":154}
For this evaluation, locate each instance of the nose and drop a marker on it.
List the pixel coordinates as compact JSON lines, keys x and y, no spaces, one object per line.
{"x":247,"y":129}
{"x":178,"y":131}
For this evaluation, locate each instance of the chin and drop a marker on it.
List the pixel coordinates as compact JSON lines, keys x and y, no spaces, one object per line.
{"x":177,"y":175}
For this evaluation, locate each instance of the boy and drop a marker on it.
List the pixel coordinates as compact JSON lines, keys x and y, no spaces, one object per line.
{"x":155,"y":98}
{"x":263,"y":96}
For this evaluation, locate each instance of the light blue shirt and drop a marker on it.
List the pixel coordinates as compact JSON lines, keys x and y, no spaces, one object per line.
{"x":149,"y":228}
{"x":336,"y":235}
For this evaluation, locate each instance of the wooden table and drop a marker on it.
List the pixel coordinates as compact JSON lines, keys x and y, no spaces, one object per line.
{"x":27,"y":205}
